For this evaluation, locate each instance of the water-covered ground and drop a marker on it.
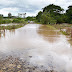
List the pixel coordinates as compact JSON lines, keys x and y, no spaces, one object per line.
{"x":8,"y":24}
{"x":35,"y":45}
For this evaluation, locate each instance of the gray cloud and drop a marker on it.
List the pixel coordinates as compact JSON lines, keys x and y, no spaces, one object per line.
{"x":29,"y":6}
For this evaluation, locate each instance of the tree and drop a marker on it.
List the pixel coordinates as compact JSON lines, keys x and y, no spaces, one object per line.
{"x":38,"y":16}
{"x":30,"y":18}
{"x":9,"y":15}
{"x":1,"y":16}
{"x":55,"y":12}
{"x":69,"y":14}
{"x":53,"y":9}
{"x":47,"y":19}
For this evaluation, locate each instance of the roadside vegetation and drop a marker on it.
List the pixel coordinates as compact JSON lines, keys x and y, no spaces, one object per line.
{"x":11,"y":27}
{"x":64,"y":28}
{"x":56,"y":17}
{"x":50,"y":15}
{"x":30,"y":18}
{"x":54,"y":14}
{"x":12,"y":20}
{"x":19,"y":22}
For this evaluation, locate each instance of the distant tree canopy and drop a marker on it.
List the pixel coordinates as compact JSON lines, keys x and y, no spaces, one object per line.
{"x":69,"y":14}
{"x":9,"y":15}
{"x":47,"y":19}
{"x":53,"y":9}
{"x":38,"y":17}
{"x":30,"y":18}
{"x":54,"y":13}
{"x":1,"y":16}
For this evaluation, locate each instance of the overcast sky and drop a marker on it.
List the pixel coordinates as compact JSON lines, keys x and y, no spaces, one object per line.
{"x":31,"y":7}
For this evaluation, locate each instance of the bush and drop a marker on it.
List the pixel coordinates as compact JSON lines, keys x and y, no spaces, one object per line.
{"x":47,"y":19}
{"x":71,"y":22}
{"x":8,"y":21}
{"x":19,"y":21}
{"x":16,"y":21}
{"x":5,"y":21}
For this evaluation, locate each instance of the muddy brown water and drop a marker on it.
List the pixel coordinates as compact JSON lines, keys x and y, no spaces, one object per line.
{"x":39,"y":45}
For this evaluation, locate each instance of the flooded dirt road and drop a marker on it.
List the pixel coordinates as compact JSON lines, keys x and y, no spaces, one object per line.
{"x":39,"y":45}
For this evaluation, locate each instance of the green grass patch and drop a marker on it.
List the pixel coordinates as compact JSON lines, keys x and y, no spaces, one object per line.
{"x":64,"y":33}
{"x":11,"y":27}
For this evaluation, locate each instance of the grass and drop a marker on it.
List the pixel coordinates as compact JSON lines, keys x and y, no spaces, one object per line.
{"x":20,"y":22}
{"x":64,"y":33}
{"x":63,"y":26}
{"x":59,"y":27}
{"x":13,"y":20}
{"x":11,"y":27}
{"x":51,"y":27}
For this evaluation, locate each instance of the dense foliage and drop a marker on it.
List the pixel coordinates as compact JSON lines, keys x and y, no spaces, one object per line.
{"x":9,"y":15}
{"x":15,"y":20}
{"x":30,"y":18}
{"x":52,"y":14}
{"x":19,"y":20}
{"x":2,"y":21}
{"x":47,"y":19}
{"x":69,"y":14}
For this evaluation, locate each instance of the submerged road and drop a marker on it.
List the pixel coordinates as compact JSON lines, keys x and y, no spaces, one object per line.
{"x":38,"y":45}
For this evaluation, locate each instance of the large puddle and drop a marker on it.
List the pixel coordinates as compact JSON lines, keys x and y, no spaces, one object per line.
{"x":8,"y":24}
{"x":39,"y":45}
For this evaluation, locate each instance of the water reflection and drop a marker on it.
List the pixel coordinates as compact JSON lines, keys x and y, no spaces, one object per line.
{"x":12,"y":31}
{"x":48,"y":33}
{"x":39,"y":45}
{"x":8,"y":24}
{"x":4,"y":32}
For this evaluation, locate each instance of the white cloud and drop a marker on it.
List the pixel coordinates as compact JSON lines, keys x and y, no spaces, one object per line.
{"x":29,"y":6}
{"x":6,"y":2}
{"x":5,"y":11}
{"x":32,"y":13}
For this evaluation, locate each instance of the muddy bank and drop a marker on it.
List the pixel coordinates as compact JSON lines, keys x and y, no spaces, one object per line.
{"x":11,"y":64}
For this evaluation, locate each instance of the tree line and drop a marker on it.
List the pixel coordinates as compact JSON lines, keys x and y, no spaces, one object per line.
{"x":53,"y":14}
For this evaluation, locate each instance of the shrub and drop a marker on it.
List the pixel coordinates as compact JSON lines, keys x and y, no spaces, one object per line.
{"x":5,"y":21}
{"x":47,"y":19}
{"x":16,"y":21}
{"x":19,"y":21}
